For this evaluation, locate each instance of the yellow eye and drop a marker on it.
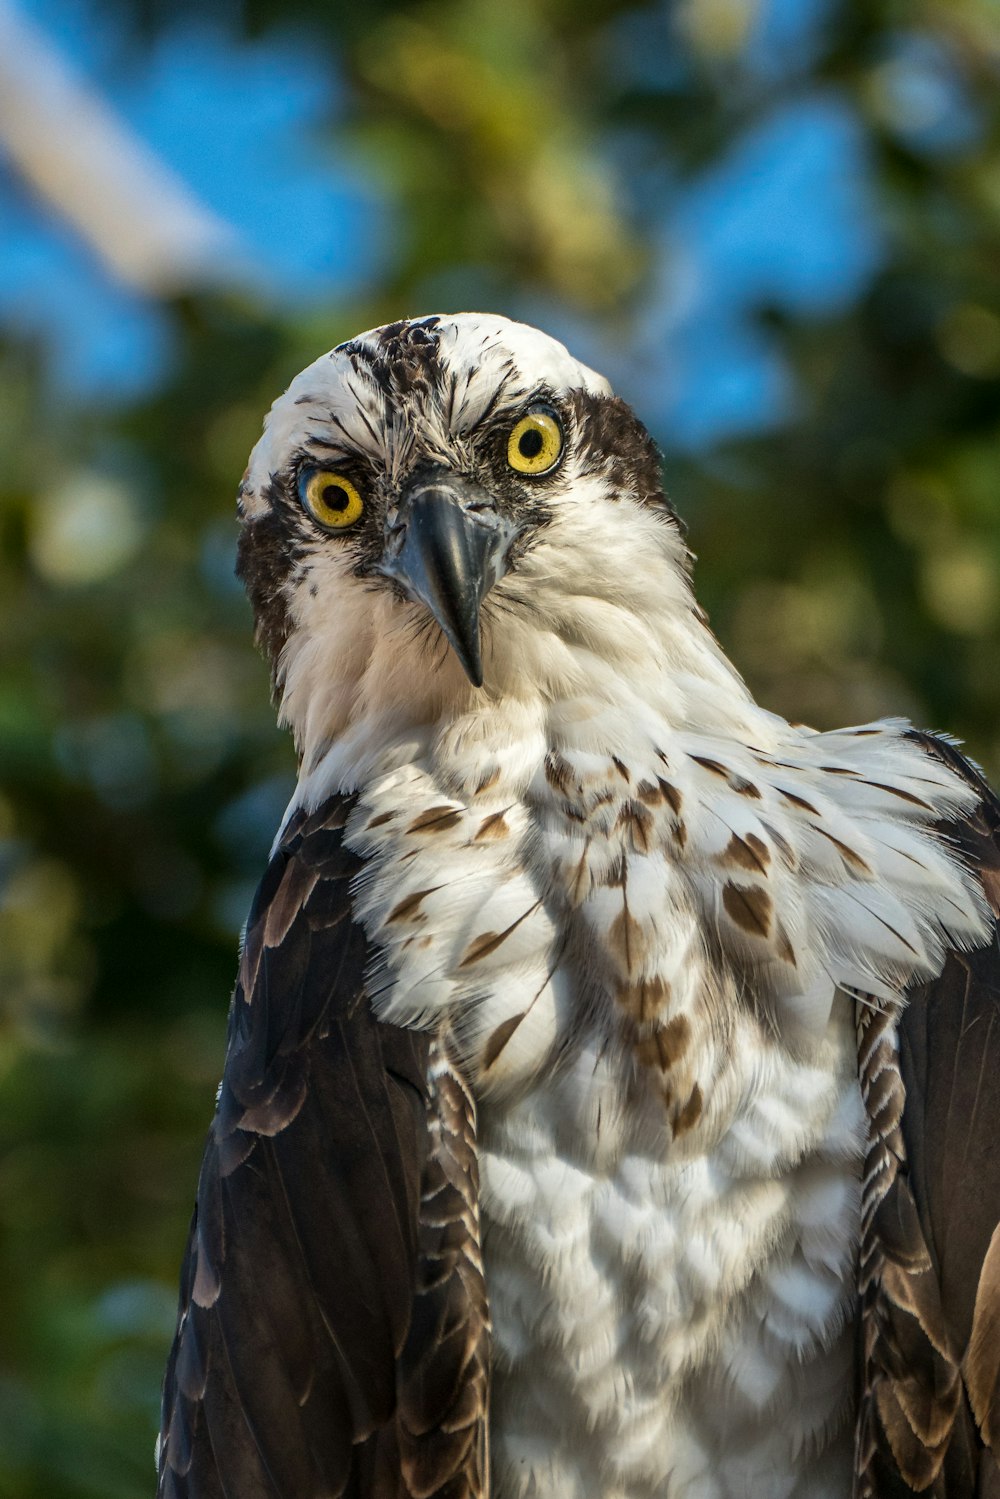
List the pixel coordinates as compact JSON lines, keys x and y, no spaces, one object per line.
{"x":535,"y":444}
{"x":331,"y":499}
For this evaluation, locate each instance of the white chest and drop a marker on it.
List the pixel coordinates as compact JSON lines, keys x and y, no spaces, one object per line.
{"x":667,"y":1322}
{"x":636,"y":947}
{"x":669,"y":1196}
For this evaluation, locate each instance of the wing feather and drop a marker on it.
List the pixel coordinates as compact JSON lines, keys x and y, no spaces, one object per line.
{"x":312,"y":1284}
{"x":929,"y":1332}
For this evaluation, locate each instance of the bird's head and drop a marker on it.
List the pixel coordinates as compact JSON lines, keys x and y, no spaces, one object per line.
{"x":447,"y":506}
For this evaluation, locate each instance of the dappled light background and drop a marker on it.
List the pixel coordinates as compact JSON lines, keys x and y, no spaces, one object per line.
{"x":774,"y":223}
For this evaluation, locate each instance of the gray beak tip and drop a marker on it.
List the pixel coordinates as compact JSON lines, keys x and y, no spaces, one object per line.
{"x":466,"y":645}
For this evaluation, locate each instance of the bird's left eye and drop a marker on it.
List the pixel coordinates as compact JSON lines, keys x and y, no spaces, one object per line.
{"x":331,"y":499}
{"x":535,"y":443}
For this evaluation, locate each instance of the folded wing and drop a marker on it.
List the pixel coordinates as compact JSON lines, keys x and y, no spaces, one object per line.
{"x":929,"y":1337}
{"x":332,"y":1335}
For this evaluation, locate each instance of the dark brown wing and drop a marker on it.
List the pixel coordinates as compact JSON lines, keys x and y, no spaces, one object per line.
{"x":929,"y":1331}
{"x":332,"y":1337}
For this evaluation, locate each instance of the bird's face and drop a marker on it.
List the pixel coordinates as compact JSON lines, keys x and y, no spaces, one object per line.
{"x":429,"y":498}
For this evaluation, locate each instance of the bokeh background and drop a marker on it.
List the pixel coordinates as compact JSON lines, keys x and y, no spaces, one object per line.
{"x":774,"y":223}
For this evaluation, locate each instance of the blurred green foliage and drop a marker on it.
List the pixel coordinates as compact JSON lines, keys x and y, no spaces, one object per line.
{"x":850,"y":561}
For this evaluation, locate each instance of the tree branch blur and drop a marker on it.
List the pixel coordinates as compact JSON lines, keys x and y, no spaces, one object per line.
{"x":145,"y":225}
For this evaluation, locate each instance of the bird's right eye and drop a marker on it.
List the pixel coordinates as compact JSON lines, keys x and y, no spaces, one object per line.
{"x":331,"y":499}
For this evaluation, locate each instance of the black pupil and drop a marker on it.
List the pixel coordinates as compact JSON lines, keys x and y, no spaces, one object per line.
{"x":335,"y":497}
{"x":530,"y":443}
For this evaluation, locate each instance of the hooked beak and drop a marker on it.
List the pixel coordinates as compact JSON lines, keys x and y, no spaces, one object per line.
{"x":446,"y":544}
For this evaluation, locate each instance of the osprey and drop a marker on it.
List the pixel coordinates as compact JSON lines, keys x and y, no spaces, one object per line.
{"x":611,"y":1102}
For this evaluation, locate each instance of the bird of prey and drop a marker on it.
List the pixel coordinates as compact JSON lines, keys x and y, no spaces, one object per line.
{"x":611,"y":1106}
